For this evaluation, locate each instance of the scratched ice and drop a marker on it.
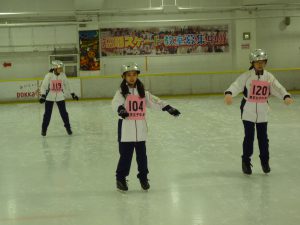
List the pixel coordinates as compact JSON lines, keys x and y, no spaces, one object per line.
{"x":194,"y":163}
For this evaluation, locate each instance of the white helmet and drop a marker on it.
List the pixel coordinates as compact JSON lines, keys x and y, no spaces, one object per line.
{"x":130,"y":67}
{"x":57,"y":64}
{"x":258,"y":54}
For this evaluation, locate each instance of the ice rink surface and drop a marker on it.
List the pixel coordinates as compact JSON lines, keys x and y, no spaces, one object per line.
{"x":194,"y":164}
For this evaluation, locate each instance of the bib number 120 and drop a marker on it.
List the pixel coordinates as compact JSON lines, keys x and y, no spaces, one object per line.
{"x":259,"y":90}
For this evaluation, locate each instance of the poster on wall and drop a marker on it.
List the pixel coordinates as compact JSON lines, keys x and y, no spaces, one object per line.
{"x":164,"y":41}
{"x":89,"y":50}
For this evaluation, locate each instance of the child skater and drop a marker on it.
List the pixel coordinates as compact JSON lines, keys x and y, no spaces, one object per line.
{"x":53,"y":89}
{"x":257,"y":85}
{"x":130,"y":102}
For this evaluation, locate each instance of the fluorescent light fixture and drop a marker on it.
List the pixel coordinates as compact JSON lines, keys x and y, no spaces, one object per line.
{"x":11,"y":13}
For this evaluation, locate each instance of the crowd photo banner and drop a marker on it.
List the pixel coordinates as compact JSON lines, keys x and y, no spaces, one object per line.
{"x":164,"y":41}
{"x":89,"y":50}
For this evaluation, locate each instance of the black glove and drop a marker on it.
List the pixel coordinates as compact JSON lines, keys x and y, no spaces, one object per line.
{"x":75,"y":97}
{"x":122,"y":112}
{"x":171,"y":110}
{"x":42,"y":99}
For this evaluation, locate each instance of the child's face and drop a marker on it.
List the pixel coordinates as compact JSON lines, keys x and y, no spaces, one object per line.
{"x":59,"y":70}
{"x":260,"y":64}
{"x":131,"y":77}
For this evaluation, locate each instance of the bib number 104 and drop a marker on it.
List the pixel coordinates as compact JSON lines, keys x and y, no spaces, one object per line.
{"x":136,"y":106}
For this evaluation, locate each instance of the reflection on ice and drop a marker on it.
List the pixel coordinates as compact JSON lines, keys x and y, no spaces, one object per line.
{"x":194,"y":163}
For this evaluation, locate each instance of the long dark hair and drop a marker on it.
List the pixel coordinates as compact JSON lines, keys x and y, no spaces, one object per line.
{"x":54,"y":70}
{"x":139,"y":85}
{"x":252,"y":66}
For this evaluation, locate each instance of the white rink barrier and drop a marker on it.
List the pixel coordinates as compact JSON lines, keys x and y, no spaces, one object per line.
{"x":105,"y":86}
{"x":29,"y":90}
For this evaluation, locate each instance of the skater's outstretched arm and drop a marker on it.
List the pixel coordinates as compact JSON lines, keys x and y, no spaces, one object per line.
{"x":154,"y":102}
{"x":236,"y":87}
{"x":279,"y":91}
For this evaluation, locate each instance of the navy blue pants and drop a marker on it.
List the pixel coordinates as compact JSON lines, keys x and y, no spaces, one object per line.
{"x":262,"y":137}
{"x":48,"y":112}
{"x":126,"y":152}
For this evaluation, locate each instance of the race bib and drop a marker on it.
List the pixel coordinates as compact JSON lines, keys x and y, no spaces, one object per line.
{"x":136,"y":107}
{"x":259,"y":91}
{"x":56,"y":85}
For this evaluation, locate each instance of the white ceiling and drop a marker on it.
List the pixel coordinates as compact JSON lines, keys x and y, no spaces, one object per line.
{"x":73,"y":5}
{"x":72,"y":10}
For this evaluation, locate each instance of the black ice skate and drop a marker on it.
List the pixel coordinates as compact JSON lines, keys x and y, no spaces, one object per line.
{"x":145,"y":184}
{"x":122,"y":185}
{"x":44,"y":132}
{"x":265,"y":167}
{"x":246,"y":166}
{"x":69,"y":131}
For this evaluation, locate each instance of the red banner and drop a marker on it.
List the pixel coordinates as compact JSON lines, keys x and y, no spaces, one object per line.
{"x":162,"y":41}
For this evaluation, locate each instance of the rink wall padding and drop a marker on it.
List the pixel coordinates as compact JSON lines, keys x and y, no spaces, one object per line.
{"x":28,"y":89}
{"x":91,"y":87}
